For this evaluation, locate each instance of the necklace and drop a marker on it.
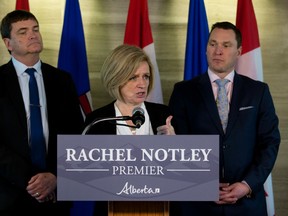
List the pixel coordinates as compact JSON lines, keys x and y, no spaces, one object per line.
{"x":133,"y":130}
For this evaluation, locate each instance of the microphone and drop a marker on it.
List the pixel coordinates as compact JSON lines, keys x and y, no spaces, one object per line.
{"x":138,"y":117}
{"x":96,"y":121}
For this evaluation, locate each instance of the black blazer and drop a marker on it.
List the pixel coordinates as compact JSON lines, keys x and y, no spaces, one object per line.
{"x":249,"y":148}
{"x":64,"y":117}
{"x":157,"y":113}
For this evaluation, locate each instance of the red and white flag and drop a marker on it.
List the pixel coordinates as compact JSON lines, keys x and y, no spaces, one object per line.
{"x":250,"y":64}
{"x":22,"y":5}
{"x":138,"y":32}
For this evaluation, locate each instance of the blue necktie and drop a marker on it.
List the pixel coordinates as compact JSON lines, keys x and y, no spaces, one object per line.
{"x":37,"y":141}
{"x":222,"y":102}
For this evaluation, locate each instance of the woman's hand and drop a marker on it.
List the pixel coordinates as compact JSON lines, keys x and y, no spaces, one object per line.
{"x":167,"y":129}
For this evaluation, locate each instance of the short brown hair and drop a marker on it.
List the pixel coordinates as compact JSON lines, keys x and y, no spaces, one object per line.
{"x":13,"y":17}
{"x":227,"y":25}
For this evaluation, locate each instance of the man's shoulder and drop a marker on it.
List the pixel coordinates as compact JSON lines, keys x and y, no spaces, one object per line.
{"x":191,"y":82}
{"x":50,"y":70}
{"x":6,"y":66}
{"x":249,"y":82}
{"x":155,"y":105}
{"x":48,"y":67}
{"x":156,"y":109}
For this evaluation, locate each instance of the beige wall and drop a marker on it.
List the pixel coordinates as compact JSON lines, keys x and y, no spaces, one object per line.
{"x":104,"y":24}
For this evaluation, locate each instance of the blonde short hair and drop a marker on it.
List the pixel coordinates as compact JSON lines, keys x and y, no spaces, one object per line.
{"x":120,"y":65}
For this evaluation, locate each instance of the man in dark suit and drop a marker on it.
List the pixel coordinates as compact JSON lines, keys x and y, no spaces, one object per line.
{"x":24,"y":188}
{"x":249,"y":141}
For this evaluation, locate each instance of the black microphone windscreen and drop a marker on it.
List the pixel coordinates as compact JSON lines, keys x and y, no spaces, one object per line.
{"x":138,"y":109}
{"x":138,"y":117}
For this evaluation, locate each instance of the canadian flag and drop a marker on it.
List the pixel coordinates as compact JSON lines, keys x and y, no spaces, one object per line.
{"x":22,"y":5}
{"x":250,"y":64}
{"x":138,"y":32}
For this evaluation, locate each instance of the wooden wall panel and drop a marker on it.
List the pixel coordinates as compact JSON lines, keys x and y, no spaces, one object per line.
{"x":104,"y":25}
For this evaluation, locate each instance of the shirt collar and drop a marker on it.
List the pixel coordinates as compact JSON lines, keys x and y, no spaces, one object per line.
{"x":213,"y":76}
{"x":20,"y":67}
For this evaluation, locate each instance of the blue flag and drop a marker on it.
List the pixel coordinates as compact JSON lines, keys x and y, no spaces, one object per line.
{"x":73,"y":59}
{"x":72,"y":53}
{"x":196,"y":42}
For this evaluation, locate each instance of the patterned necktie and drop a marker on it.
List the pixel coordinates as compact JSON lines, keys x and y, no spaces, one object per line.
{"x":222,"y":102}
{"x":37,"y":141}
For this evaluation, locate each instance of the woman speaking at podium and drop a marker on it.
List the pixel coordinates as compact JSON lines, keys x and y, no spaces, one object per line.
{"x":127,"y":74}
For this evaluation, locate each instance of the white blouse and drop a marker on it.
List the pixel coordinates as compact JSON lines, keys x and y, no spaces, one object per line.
{"x":145,"y":129}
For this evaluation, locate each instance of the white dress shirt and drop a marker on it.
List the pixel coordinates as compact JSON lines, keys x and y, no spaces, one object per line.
{"x":228,"y":86}
{"x":23,"y":79}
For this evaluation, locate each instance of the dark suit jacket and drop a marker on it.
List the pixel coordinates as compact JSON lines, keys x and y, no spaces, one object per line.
{"x":249,"y":148}
{"x":64,"y":117}
{"x":157,"y":113}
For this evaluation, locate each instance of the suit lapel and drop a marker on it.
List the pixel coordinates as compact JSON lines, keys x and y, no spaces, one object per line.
{"x":234,"y":105}
{"x":13,"y":90}
{"x":206,"y":91}
{"x":51,"y":92}
{"x":47,"y":80}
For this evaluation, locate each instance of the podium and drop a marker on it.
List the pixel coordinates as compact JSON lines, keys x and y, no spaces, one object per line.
{"x":139,"y":208}
{"x":138,"y":175}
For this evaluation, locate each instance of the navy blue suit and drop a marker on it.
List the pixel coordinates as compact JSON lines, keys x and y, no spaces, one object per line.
{"x":249,"y":148}
{"x":64,"y":117}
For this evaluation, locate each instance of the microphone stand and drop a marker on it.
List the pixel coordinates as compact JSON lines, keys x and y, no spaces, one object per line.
{"x":96,"y":121}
